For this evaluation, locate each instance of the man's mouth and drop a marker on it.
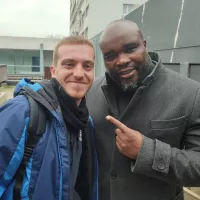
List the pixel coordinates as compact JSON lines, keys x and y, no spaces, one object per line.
{"x":77,"y":82}
{"x":126,"y":73}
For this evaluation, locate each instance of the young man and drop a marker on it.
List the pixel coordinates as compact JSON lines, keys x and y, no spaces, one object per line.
{"x":63,"y":162}
{"x":149,"y":146}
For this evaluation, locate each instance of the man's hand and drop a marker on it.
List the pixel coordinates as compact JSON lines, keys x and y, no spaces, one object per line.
{"x":128,"y":141}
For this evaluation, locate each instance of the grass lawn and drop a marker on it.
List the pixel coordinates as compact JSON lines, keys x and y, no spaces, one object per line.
{"x":8,"y":90}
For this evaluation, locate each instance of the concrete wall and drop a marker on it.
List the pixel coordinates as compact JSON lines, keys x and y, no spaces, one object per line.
{"x":27,"y":43}
{"x":3,"y":73}
{"x":169,"y":24}
{"x":170,"y":28}
{"x":102,"y":12}
{"x":48,"y":58}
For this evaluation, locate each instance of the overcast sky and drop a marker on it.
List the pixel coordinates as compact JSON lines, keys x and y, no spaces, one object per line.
{"x":34,"y":18}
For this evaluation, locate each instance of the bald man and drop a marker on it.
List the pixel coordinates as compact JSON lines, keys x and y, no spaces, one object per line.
{"x":146,"y":119}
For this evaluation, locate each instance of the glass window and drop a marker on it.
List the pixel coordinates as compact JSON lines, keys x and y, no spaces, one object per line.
{"x":18,"y":55}
{"x":173,"y":66}
{"x":7,"y":57}
{"x":127,"y":8}
{"x":194,"y":72}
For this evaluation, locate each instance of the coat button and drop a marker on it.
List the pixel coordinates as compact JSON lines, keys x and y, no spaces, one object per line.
{"x":113,"y":174}
{"x":161,"y":166}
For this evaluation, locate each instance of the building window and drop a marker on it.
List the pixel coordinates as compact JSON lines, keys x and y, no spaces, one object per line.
{"x":127,"y":8}
{"x":35,"y":64}
{"x":173,"y":66}
{"x":194,"y":72}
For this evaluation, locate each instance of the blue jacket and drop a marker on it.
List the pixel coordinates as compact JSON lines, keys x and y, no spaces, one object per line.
{"x":48,"y":170}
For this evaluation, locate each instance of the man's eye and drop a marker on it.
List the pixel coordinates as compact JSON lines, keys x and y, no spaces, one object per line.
{"x":88,"y":66}
{"x":68,"y":64}
{"x":129,"y":50}
{"x":110,"y":57}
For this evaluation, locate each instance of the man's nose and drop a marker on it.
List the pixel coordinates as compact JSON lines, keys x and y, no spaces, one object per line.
{"x":79,"y":71}
{"x":123,"y":59}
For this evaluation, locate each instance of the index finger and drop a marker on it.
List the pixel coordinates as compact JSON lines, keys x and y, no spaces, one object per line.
{"x":117,"y":123}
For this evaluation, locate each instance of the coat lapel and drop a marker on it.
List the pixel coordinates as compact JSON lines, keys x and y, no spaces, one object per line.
{"x":109,"y":94}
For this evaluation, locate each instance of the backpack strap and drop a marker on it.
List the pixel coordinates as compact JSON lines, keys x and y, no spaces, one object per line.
{"x":37,"y":126}
{"x":95,"y":194}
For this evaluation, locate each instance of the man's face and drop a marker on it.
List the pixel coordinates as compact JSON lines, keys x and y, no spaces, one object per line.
{"x":75,"y":69}
{"x":125,"y":56}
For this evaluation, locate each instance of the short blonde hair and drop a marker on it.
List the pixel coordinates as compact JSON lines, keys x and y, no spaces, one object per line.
{"x":70,"y":40}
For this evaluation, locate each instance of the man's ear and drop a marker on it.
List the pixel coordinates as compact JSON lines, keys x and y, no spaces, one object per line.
{"x":53,"y":71}
{"x":145,"y":43}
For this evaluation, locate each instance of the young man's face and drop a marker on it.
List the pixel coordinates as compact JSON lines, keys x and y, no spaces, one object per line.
{"x":75,"y":69}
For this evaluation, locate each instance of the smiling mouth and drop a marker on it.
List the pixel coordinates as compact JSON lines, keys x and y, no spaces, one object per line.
{"x":77,"y":82}
{"x":126,"y":73}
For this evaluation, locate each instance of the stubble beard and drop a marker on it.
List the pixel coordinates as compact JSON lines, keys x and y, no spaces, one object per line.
{"x":129,"y":84}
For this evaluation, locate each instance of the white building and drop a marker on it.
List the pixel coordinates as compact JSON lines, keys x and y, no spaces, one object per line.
{"x":89,"y":17}
{"x":25,"y":55}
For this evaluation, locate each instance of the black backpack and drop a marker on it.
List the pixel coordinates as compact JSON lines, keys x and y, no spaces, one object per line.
{"x":36,"y":128}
